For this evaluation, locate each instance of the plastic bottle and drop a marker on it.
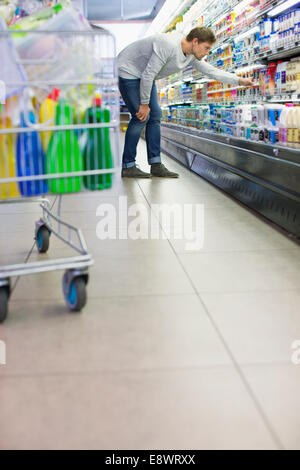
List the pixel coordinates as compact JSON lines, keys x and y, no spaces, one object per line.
{"x":257,"y":114}
{"x":283,"y":77}
{"x":30,"y":157}
{"x":278,"y":78}
{"x":97,"y":153}
{"x":274,"y":135}
{"x":47,"y":115}
{"x":261,"y":133}
{"x":270,"y":79}
{"x":7,"y":161}
{"x":64,"y":155}
{"x":283,"y":124}
{"x":291,"y":125}
{"x":296,"y":137}
{"x":254,"y":132}
{"x":274,"y":112}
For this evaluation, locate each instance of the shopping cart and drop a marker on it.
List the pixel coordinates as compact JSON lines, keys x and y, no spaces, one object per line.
{"x":59,"y":133}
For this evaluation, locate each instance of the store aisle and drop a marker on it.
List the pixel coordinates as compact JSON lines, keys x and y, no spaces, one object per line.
{"x":174,"y":350}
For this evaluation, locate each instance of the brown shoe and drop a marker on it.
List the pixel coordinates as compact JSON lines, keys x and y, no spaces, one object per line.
{"x":134,"y":172}
{"x":158,"y":169}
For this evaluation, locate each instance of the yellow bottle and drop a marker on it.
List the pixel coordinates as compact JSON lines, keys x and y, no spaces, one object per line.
{"x":7,"y":161}
{"x":47,"y":115}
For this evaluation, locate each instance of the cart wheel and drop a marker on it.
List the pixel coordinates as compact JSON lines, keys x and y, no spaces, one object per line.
{"x":76,"y":299}
{"x":3,"y":304}
{"x":42,"y":239}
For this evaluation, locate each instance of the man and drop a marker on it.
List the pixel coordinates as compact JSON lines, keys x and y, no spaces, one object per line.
{"x":145,"y":61}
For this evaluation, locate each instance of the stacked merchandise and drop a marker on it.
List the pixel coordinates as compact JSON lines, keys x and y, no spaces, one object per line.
{"x":189,"y":117}
{"x":269,"y":123}
{"x":177,"y":94}
{"x":199,"y":93}
{"x":268,"y":36}
{"x":249,"y":34}
{"x":205,"y":12}
{"x":281,"y":32}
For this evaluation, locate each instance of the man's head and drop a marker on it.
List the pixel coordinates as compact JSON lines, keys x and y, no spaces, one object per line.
{"x":200,"y":41}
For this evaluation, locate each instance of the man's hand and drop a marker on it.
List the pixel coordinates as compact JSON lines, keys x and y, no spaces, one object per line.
{"x":246,"y":82}
{"x":143,"y":112}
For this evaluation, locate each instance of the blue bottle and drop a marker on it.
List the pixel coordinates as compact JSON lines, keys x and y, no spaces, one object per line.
{"x":30,"y":159}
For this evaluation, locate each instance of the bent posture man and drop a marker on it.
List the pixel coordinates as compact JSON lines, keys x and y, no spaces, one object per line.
{"x":145,"y":61}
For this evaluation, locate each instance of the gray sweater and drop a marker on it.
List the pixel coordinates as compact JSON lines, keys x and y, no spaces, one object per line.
{"x":159,"y":56}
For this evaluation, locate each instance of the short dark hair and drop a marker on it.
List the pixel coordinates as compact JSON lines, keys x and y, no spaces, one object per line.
{"x":202,"y":34}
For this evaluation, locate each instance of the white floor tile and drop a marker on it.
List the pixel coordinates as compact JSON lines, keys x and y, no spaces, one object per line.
{"x":115,"y":333}
{"x":244,"y":271}
{"x":197,"y":409}
{"x":145,"y":351}
{"x":258,"y":327}
{"x":277,"y":389}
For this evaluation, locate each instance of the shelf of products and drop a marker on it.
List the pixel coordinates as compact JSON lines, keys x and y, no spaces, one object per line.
{"x":249,"y":134}
{"x":268,"y":48}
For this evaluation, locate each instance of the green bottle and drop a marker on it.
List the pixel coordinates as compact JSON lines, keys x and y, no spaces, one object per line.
{"x":64,"y":155}
{"x":97,"y":154}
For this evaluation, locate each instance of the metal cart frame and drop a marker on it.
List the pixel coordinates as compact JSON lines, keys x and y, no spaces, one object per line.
{"x":76,"y":274}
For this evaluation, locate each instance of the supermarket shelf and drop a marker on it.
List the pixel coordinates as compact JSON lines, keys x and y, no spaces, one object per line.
{"x":264,"y":177}
{"x":250,"y":26}
{"x":281,"y":53}
{"x":294,"y":97}
{"x":285,"y":53}
{"x":284,"y":98}
{"x":287,"y":153}
{"x":222,"y":103}
{"x":193,"y":80}
{"x":228,"y":89}
{"x":218,"y":18}
{"x":179,"y":103}
{"x":270,"y":7}
{"x":227,"y":12}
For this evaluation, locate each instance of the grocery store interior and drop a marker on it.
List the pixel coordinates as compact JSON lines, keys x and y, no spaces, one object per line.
{"x":149,"y":313}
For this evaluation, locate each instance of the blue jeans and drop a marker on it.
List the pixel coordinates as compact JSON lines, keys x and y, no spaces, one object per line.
{"x":130,"y":91}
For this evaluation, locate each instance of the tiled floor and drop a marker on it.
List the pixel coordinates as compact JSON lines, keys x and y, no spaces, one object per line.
{"x":174,"y":350}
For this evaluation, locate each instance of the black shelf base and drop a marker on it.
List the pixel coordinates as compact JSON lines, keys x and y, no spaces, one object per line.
{"x":260,"y":195}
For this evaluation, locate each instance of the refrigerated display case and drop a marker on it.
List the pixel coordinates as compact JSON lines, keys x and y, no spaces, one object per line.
{"x":246,"y":141}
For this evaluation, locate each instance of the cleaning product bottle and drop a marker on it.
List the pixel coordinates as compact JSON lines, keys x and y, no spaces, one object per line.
{"x":30,"y":156}
{"x":97,"y":152}
{"x":47,"y":116}
{"x":63,"y":154}
{"x":7,"y":160}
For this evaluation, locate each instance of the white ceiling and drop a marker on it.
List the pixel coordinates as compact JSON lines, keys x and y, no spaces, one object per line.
{"x":123,"y":10}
